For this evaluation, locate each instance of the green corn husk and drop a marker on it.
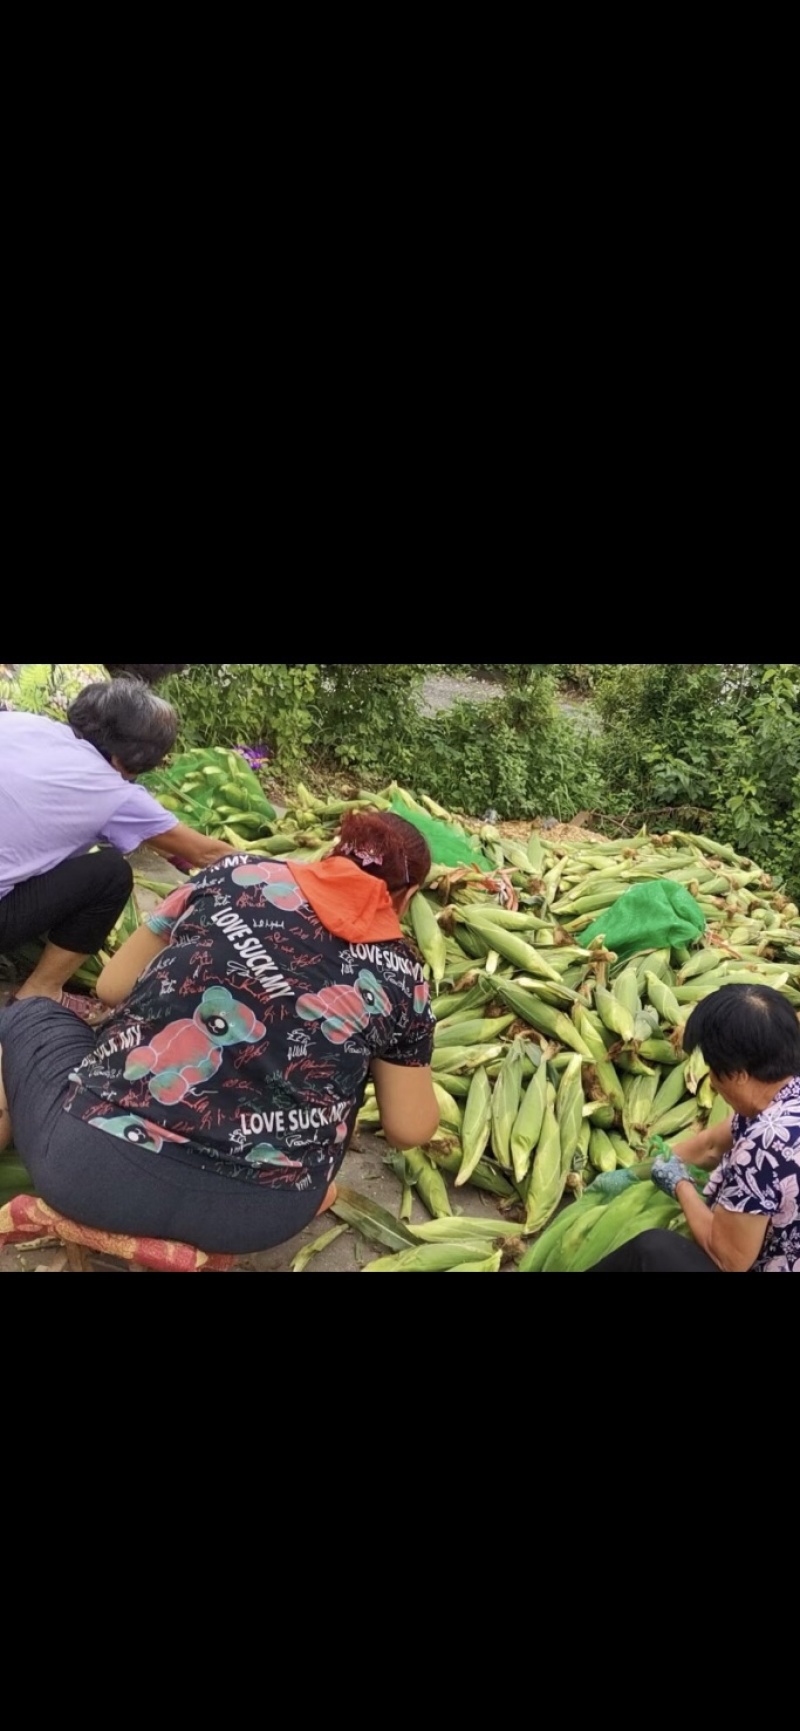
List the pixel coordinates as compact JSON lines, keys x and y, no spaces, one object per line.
{"x":428,"y":1258}
{"x":413,"y":1167}
{"x":659,"y":1051}
{"x":591,"y":1038}
{"x":303,"y":1257}
{"x":580,"y":1158}
{"x":451,"y":1059}
{"x":471,"y":1033}
{"x":524,"y":956}
{"x":562,"y":1256}
{"x":541,"y":1016}
{"x":517,"y":920}
{"x":664,"y":1000}
{"x":601,"y":1152}
{"x":706,"y":1095}
{"x":608,"y":1080}
{"x":538,"y":1252}
{"x":457,"y":1086}
{"x":458,"y":1005}
{"x":471,"y":1226}
{"x":505,"y":1102}
{"x":599,"y":1113}
{"x":486,"y":1175}
{"x":626,"y":1155}
{"x":491,"y":1265}
{"x":696,"y":1070}
{"x":450,"y":1113}
{"x":528,"y":1124}
{"x":547,"y":1180}
{"x":682,"y":1117}
{"x":638,"y":1109}
{"x":701,"y":962}
{"x":720,"y":1110}
{"x":655,"y":962}
{"x":429,"y":935}
{"x":368,"y":1218}
{"x":569,"y":1111}
{"x":671,"y":1090}
{"x":476,"y":1126}
{"x":616,"y":1015}
{"x":626,"y":991}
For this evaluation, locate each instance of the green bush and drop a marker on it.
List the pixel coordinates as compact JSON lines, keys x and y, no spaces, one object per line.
{"x":515,"y":754}
{"x":249,"y":704}
{"x":716,"y":745}
{"x":368,"y":719}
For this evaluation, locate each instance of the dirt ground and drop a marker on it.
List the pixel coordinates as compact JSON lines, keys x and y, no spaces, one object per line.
{"x":363,"y":1169}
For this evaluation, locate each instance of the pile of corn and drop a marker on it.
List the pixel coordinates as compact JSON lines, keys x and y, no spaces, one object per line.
{"x":552,"y":1061}
{"x":214,"y":791}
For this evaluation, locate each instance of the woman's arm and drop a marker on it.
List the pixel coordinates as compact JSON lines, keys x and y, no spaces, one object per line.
{"x":181,"y":842}
{"x":407,"y":1103}
{"x":733,"y":1241}
{"x":119,"y":976}
{"x":707,"y":1148}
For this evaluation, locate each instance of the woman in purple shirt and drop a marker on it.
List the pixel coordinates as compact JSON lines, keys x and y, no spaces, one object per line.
{"x":64,"y":788}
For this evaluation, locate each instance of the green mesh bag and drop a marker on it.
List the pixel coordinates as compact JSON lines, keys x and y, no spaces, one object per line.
{"x":653,"y":916}
{"x":449,"y":846}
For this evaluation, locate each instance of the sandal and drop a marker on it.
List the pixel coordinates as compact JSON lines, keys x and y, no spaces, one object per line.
{"x":90,"y":1010}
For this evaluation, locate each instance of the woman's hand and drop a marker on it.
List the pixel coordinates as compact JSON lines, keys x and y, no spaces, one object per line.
{"x":668,"y":1174}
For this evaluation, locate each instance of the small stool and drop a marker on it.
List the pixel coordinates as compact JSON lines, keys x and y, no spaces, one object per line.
{"x":28,"y":1218}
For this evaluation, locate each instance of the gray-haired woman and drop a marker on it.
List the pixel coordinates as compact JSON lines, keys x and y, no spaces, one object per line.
{"x":64,"y":788}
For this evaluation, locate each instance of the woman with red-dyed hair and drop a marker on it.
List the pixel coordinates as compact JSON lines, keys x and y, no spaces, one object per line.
{"x":217,"y":1104}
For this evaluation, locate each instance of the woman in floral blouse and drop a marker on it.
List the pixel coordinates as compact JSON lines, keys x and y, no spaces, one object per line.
{"x":748,"y":1219}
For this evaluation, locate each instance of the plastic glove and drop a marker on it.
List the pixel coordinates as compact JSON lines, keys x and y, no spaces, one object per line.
{"x":669,"y":1173}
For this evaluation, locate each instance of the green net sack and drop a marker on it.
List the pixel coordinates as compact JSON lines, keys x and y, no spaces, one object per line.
{"x":449,"y":846}
{"x":653,"y":916}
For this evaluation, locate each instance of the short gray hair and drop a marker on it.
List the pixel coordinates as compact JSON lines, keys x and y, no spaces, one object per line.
{"x":124,"y":719}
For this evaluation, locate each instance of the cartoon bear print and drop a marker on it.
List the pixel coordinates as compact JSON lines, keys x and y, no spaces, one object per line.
{"x":186,"y":1053}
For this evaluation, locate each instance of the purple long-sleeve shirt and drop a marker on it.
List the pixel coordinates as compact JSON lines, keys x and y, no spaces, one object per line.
{"x":59,"y":797}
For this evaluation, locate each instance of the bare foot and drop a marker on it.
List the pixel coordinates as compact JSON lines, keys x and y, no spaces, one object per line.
{"x":330,"y":1198}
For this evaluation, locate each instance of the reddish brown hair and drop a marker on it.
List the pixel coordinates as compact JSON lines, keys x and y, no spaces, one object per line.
{"x":386,"y":847}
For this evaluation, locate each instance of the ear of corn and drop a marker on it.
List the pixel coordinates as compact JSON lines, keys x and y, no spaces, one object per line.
{"x":626,"y":1155}
{"x":505,"y":1102}
{"x":616,"y":1015}
{"x":541,"y":1016}
{"x":452,"y":1059}
{"x":429,"y":935}
{"x":476,"y":1126}
{"x":480,"y":1031}
{"x":682,"y":1117}
{"x":490,"y":1265}
{"x":428,"y":1182}
{"x":671,"y":1090}
{"x":524,"y":956}
{"x":528,"y":1124}
{"x":429,"y":1258}
{"x":664,"y":1000}
{"x":601,"y":1152}
{"x":569,"y":1111}
{"x":547,"y":1180}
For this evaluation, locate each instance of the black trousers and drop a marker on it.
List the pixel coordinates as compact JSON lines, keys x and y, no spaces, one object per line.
{"x":76,"y":904}
{"x":114,"y":1185}
{"x":657,"y":1252}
